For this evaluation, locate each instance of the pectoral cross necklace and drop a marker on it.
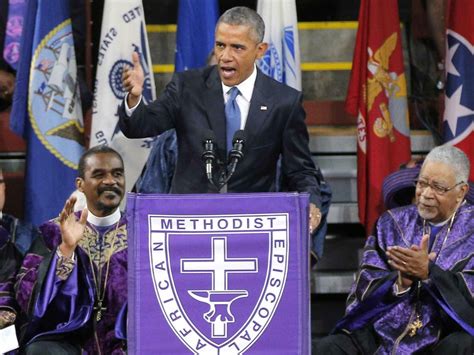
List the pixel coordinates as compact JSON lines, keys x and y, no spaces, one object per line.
{"x":99,"y":309}
{"x":417,"y":324}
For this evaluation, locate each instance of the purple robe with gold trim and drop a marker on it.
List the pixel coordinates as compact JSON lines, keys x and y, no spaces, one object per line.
{"x":444,"y":301}
{"x":64,"y":309}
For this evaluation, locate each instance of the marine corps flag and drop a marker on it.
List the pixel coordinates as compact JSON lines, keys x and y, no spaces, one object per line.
{"x":458,"y":121}
{"x":377,"y":96}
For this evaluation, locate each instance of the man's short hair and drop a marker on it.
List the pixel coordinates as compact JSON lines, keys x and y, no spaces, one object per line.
{"x":452,"y":156}
{"x":243,"y":16}
{"x":98,"y":149}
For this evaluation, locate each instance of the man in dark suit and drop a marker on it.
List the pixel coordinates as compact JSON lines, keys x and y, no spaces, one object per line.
{"x":197,"y":101}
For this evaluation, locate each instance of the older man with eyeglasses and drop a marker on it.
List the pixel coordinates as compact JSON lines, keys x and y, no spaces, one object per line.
{"x":414,"y":291}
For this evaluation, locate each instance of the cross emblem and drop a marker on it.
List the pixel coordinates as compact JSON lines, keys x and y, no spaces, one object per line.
{"x":219,"y":298}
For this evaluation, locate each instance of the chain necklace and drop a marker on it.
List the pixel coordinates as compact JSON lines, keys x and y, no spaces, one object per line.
{"x":417,"y":324}
{"x":427,"y":230}
{"x":100,"y":292}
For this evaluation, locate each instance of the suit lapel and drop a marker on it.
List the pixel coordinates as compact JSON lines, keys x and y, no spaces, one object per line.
{"x":259,"y":111}
{"x":214,"y":103}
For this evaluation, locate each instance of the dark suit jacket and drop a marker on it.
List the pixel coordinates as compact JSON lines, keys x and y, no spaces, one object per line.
{"x":193,"y":103}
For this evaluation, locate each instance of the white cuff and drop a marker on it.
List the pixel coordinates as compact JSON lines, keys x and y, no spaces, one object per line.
{"x":397,"y":292}
{"x":61,"y":255}
{"x":129,"y":110}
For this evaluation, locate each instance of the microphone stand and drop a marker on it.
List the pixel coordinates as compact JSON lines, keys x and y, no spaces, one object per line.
{"x":209,"y":156}
{"x":235,"y":155}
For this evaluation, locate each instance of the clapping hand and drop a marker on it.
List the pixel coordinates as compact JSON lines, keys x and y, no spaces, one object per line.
{"x":411,"y":263}
{"x":72,"y":230}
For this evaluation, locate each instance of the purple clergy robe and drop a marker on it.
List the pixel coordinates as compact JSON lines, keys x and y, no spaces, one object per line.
{"x":64,"y":309}
{"x":444,"y":301}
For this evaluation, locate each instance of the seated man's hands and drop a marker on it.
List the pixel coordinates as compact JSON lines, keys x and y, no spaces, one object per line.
{"x":72,"y":230}
{"x":6,"y":318}
{"x":411,"y":263}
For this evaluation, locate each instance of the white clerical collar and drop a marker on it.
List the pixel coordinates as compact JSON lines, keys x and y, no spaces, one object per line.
{"x":246,"y":86}
{"x":1,"y":214}
{"x":440,"y":224}
{"x":104,"y":221}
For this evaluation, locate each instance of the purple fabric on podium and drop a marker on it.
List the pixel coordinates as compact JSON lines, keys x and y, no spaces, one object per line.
{"x":218,"y":274}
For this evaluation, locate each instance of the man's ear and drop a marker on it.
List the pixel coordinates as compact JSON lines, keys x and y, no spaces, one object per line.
{"x":463,"y":192}
{"x":79,"y":183}
{"x":261,"y":49}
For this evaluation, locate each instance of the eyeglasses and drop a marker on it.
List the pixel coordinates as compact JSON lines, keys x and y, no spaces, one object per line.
{"x":438,"y":189}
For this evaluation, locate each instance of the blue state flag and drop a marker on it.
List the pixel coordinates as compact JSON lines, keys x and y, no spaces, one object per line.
{"x":195,"y":34}
{"x":46,"y":108}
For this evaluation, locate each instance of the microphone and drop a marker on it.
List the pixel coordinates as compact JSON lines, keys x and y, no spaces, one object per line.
{"x":236,"y":154}
{"x":209,"y":154}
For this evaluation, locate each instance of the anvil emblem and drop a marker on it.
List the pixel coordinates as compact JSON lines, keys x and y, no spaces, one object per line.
{"x":220,"y":298}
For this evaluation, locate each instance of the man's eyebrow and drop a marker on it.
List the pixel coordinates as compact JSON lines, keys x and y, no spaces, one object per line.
{"x":101,"y":170}
{"x":433,"y":180}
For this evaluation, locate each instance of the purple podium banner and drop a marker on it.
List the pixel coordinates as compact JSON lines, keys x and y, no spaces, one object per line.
{"x":218,"y":274}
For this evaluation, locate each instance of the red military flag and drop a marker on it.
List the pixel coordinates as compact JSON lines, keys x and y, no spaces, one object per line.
{"x":377,"y":96}
{"x":458,"y":120}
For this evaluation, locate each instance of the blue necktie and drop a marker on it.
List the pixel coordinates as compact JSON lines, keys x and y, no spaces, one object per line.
{"x":232,"y":114}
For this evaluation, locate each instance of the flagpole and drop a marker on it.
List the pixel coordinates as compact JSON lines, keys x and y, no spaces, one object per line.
{"x":88,"y":70}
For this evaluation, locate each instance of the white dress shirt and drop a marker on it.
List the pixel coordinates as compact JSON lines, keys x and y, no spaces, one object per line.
{"x":243,"y":100}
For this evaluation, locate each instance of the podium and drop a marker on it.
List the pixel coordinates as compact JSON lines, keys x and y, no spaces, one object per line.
{"x":218,"y":274}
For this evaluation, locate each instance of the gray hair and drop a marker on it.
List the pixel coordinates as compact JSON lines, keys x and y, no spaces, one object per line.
{"x":452,"y":156}
{"x":243,"y":16}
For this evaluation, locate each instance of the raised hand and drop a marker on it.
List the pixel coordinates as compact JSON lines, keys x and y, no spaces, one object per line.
{"x":132,"y":80}
{"x":72,"y":230}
